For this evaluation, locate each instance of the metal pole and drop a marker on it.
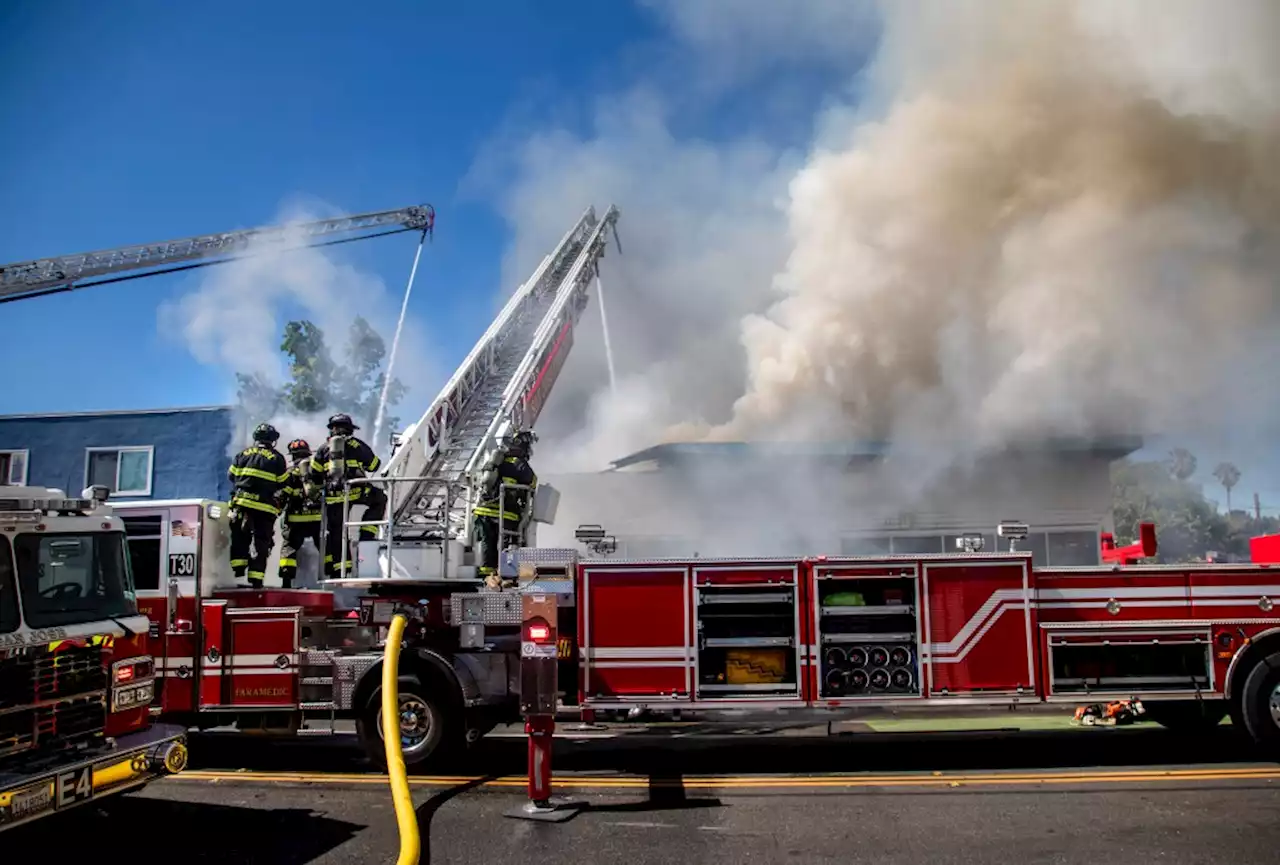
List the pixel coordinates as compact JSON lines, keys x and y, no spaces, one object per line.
{"x":390,"y":518}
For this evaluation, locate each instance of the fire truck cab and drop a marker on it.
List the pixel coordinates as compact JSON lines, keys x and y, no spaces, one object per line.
{"x":76,"y":675}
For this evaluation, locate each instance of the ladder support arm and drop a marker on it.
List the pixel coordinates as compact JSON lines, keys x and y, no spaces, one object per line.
{"x":43,"y":275}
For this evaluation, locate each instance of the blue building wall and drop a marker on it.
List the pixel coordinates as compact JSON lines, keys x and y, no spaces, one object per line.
{"x":190,"y":447}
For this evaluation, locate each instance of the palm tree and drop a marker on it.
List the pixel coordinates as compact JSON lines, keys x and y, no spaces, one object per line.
{"x":1181,"y":463}
{"x":1228,"y":475}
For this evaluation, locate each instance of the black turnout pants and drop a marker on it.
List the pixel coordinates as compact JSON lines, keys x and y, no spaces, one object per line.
{"x":256,"y":529}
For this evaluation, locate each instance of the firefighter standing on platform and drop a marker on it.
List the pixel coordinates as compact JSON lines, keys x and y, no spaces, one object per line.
{"x":345,"y":457}
{"x":500,"y":511}
{"x":257,"y":474}
{"x":301,"y":505}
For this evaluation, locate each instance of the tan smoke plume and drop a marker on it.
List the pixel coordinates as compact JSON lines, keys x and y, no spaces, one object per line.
{"x":1065,"y":220}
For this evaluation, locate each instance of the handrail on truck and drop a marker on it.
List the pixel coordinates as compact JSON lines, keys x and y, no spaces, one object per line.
{"x":386,"y":525}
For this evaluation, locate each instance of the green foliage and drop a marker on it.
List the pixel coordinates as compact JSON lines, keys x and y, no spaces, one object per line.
{"x":319,"y":385}
{"x":1181,"y":463}
{"x":1188,"y":526}
{"x":1228,"y":475}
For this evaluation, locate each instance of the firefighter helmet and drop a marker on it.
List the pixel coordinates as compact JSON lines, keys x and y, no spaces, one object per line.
{"x":342,"y":421}
{"x":298,"y":448}
{"x":266,"y":433}
{"x":522,"y":442}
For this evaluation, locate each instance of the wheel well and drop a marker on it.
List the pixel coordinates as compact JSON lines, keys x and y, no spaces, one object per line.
{"x":1259,"y":647}
{"x":428,"y":668}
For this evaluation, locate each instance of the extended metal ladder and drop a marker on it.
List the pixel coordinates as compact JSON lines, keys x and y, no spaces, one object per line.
{"x":502,"y":383}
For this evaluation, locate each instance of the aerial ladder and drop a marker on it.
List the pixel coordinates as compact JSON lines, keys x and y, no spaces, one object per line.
{"x":42,"y":276}
{"x":435,"y":474}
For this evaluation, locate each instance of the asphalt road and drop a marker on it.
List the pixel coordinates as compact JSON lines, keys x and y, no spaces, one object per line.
{"x":1082,"y":796}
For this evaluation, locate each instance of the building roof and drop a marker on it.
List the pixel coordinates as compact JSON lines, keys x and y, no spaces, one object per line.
{"x":1114,"y":447}
{"x":118,"y":412}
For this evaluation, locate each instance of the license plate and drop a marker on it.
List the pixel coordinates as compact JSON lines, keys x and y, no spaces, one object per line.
{"x":30,"y":802}
{"x":74,"y":786}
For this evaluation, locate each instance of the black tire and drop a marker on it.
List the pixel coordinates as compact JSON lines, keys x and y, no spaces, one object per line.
{"x":1260,"y":702}
{"x":433,"y":715}
{"x":1187,"y":716}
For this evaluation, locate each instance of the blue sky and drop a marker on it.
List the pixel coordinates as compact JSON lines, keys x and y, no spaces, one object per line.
{"x":142,"y":122}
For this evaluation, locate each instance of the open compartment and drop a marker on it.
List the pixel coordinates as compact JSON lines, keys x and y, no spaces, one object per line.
{"x":1130,"y":662}
{"x":868,"y":633}
{"x":747,"y":640}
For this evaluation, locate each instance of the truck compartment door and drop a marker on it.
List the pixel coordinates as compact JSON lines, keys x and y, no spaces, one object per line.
{"x":263,"y":661}
{"x":978,"y":625}
{"x":211,"y":664}
{"x":635,"y":633}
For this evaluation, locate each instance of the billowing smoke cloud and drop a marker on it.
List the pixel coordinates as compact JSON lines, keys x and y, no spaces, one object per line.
{"x":1039,"y":237}
{"x":1037,"y":219}
{"x":233,"y":317}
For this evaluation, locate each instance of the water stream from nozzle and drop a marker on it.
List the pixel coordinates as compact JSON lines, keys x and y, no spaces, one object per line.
{"x":608,"y":344}
{"x":395,"y":345}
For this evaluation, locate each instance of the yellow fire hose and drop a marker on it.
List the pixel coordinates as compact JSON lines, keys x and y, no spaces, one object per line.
{"x":410,"y":843}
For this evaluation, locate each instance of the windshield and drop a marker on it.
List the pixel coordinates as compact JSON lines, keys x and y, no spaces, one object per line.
{"x":71,"y":579}
{"x":8,"y":590}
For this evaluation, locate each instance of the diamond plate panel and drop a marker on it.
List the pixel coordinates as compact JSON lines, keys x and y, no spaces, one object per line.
{"x":347,"y":672}
{"x":544,"y":555}
{"x":498,"y":608}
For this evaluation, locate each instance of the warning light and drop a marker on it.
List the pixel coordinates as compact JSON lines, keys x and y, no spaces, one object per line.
{"x":539,"y":633}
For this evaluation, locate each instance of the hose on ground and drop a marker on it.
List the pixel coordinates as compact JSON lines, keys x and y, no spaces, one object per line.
{"x":406,"y":818}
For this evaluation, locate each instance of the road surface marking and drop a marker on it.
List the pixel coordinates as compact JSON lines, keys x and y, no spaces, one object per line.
{"x":762,"y":782}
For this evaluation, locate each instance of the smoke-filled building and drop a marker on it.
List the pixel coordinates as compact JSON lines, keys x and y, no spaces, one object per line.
{"x":842,"y":498}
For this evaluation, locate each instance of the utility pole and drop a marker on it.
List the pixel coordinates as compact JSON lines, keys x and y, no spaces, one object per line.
{"x":1257,"y":508}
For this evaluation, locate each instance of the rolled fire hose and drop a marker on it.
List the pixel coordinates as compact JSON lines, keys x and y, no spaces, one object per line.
{"x":406,"y":818}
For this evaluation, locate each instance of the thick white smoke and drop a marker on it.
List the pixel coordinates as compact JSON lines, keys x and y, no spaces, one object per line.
{"x":1017,"y":220}
{"x":233,"y":317}
{"x":1039,"y":237}
{"x":1051,"y":218}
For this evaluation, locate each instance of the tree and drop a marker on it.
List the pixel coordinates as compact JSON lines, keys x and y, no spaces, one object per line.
{"x":1181,"y":463}
{"x":318,"y":385}
{"x":1187,"y":525}
{"x":1228,"y":475}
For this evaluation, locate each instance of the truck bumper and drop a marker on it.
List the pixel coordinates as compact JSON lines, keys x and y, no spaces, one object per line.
{"x":129,"y":763}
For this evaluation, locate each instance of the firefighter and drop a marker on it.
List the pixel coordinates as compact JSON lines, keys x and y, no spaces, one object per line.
{"x":257,"y":474}
{"x":301,"y":502}
{"x":499,"y":512}
{"x":329,"y":469}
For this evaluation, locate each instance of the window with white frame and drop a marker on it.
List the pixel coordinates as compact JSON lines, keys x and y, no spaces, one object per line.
{"x":13,"y":468}
{"x":126,"y":471}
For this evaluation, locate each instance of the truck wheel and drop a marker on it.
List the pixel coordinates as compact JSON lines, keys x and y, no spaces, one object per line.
{"x":1187,"y":716}
{"x":1260,"y":702}
{"x":425,"y":722}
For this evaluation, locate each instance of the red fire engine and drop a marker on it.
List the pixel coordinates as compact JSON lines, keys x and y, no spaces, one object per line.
{"x":976,"y":628}
{"x":803,"y":634}
{"x":76,"y":679}
{"x":973,"y":629}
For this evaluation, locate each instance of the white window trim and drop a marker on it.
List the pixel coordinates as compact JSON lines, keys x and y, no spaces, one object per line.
{"x":151,"y":466}
{"x":26,"y":465}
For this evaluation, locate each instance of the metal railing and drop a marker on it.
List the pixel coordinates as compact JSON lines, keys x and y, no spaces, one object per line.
{"x":387,"y":525}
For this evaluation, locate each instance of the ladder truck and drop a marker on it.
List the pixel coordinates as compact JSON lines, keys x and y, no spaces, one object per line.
{"x":815,"y":634}
{"x":294,"y":661}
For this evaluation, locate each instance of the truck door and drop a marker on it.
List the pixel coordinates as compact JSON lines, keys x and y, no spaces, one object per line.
{"x":979,"y":627}
{"x":211,"y":664}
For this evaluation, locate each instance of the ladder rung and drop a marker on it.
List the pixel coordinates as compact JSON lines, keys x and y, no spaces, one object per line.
{"x":318,"y":680}
{"x":326,"y":706}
